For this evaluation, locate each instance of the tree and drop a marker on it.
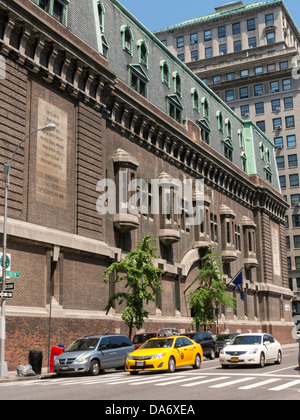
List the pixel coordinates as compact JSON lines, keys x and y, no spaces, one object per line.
{"x":211,"y":290}
{"x":142,"y":279}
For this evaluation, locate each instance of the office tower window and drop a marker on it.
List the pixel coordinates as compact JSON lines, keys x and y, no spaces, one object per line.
{"x":222,"y":49}
{"x":275,"y":105}
{"x":236,"y":28}
{"x":244,"y":93}
{"x":194,"y":55}
{"x":270,"y":19}
{"x":282,"y":181}
{"x":290,"y":121}
{"x":293,"y":161}
{"x":229,"y":95}
{"x":288,"y":103}
{"x":258,"y":70}
{"x":297,"y":241}
{"x":245,"y":110}
{"x":230,"y":76}
{"x":180,"y":42}
{"x":258,"y":90}
{"x":294,"y":180}
{"x":193,"y":39}
{"x":295,"y":199}
{"x":284,"y":65}
{"x":237,"y":46}
{"x":261,"y":125}
{"x":207,"y":35}
{"x":208,"y":52}
{"x":252,"y":42}
{"x":244,"y":73}
{"x":280,"y":162}
{"x":287,"y":84}
{"x":259,"y":108}
{"x":270,"y":38}
{"x":278,"y":142}
{"x":251,"y":25}
{"x":274,"y":87}
{"x":277,"y":124}
{"x":222,"y":32}
{"x":291,"y":141}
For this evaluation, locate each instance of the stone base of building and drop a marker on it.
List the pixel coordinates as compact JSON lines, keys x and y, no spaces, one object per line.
{"x":39,"y":331}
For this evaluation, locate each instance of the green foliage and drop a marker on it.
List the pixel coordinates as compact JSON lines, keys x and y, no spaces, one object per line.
{"x":211,"y":290}
{"x":142,"y":280}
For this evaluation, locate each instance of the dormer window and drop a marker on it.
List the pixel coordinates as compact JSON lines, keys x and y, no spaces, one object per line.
{"x":127,"y":39}
{"x":56,"y":8}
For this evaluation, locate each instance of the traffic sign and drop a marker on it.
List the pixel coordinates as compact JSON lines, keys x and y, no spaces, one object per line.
{"x":12,"y":274}
{"x":6,"y":295}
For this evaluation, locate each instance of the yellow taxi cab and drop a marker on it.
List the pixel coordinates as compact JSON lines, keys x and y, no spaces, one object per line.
{"x":165,"y":353}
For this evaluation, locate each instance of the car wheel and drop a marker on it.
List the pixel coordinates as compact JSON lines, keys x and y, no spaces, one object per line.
{"x":279,"y":358}
{"x":225,"y":366}
{"x":95,"y":368}
{"x":171,"y":365}
{"x":197,"y":364}
{"x":262,"y":360}
{"x":212,"y":354}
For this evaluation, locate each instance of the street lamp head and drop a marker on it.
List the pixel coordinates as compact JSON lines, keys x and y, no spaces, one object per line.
{"x":49,"y":127}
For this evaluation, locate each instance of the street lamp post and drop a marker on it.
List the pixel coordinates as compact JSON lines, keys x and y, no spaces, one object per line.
{"x":3,"y":364}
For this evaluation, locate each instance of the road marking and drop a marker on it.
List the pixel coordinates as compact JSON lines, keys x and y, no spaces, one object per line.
{"x":256,"y":385}
{"x":232,"y":382}
{"x":179,"y":380}
{"x":207,"y":381}
{"x":279,"y":370}
{"x":288,"y":385}
{"x":152,"y":380}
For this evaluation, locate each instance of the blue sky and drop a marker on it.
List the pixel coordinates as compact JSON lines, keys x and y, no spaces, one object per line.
{"x":159,"y":14}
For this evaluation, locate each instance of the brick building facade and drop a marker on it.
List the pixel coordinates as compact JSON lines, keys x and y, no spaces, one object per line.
{"x":122,"y":103}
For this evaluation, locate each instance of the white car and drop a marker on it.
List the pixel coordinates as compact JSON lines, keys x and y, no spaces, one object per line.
{"x":251,"y":349}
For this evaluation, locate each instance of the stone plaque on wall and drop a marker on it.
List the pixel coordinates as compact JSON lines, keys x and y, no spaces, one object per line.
{"x":276,"y":251}
{"x":51,"y":162}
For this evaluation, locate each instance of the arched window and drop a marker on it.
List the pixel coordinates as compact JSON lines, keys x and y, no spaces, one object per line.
{"x":177,"y":83}
{"x":127,"y":39}
{"x":205,"y":108}
{"x":228,"y":128}
{"x":195,"y":99}
{"x":220,"y":119}
{"x":165,"y":72}
{"x":143,"y":53}
{"x":101,"y":12}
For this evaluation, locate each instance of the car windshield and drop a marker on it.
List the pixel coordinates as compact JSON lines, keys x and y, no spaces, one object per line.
{"x":83,"y":344}
{"x":157,"y":344}
{"x":246,"y":340}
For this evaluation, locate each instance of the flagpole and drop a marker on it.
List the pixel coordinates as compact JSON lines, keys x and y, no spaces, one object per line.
{"x":235,"y":276}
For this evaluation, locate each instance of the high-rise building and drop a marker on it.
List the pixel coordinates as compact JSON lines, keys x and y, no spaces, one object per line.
{"x":249,"y":56}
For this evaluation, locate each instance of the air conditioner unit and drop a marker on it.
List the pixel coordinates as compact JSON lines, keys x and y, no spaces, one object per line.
{"x":247,"y":115}
{"x":278,"y":109}
{"x":279,"y":127}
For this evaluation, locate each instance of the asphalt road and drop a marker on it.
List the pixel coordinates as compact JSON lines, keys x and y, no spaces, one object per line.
{"x":157,"y":393}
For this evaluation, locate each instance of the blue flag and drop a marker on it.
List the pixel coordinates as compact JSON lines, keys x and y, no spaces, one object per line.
{"x":238,"y":282}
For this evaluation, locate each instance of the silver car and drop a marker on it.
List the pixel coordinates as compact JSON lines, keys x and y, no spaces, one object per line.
{"x":94,"y":353}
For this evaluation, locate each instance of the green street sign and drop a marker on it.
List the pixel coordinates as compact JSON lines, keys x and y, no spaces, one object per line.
{"x":12,"y":274}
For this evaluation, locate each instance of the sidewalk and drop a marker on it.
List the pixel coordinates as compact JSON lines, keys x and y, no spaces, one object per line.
{"x":12,"y":375}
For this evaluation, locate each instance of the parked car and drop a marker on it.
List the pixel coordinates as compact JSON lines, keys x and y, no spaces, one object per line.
{"x":251,"y":349}
{"x":168,"y":331}
{"x":165,"y":353}
{"x":140,"y":339}
{"x":222,"y":340}
{"x":206,"y":341}
{"x":94,"y":353}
